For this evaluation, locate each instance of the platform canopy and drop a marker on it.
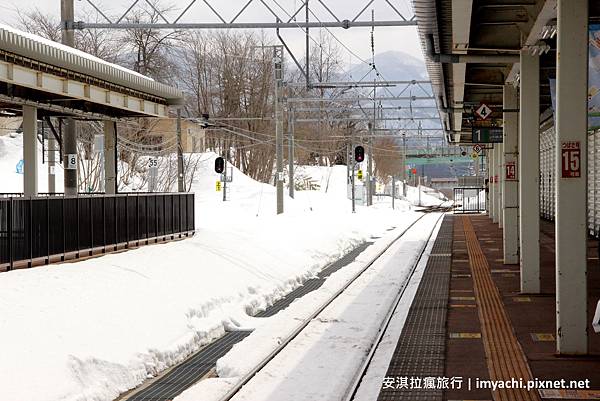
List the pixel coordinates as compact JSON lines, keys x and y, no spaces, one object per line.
{"x":62,"y":81}
{"x":472,"y":49}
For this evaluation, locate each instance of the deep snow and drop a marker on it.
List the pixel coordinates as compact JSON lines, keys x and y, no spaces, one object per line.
{"x":92,"y":329}
{"x":321,"y":362}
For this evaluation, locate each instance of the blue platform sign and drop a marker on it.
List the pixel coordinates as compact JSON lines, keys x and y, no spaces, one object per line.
{"x":594,"y":78}
{"x":20,"y":165}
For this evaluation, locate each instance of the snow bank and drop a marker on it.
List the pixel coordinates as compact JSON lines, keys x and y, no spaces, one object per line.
{"x":322,"y":360}
{"x":92,"y":329}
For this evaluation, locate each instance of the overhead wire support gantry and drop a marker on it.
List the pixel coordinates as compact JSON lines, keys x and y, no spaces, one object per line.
{"x":337,"y":21}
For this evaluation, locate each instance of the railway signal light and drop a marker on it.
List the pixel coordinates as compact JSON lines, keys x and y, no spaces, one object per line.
{"x":219,"y":165}
{"x":359,"y":154}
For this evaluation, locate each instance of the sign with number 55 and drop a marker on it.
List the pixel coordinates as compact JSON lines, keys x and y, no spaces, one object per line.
{"x":571,"y":159}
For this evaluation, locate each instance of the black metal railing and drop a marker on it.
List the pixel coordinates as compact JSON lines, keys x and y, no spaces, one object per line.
{"x":469,"y":200}
{"x":43,"y":228}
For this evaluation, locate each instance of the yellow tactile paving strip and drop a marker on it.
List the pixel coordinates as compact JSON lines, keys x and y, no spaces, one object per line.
{"x":505,"y":358}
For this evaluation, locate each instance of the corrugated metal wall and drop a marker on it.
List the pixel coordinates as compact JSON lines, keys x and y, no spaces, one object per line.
{"x":547,"y":176}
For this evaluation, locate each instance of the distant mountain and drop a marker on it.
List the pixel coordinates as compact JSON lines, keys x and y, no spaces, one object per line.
{"x":394,"y":66}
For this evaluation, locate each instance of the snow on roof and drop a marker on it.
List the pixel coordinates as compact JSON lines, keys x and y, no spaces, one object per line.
{"x":39,"y":48}
{"x":69,"y":49}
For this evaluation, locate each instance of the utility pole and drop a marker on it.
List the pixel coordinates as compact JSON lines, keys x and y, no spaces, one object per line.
{"x":353,"y":187}
{"x":278,"y":77}
{"x":370,"y":161}
{"x":419,"y":188}
{"x":180,"y":176}
{"x":352,"y":162}
{"x":226,"y":157}
{"x":393,"y":190}
{"x":307,"y":44}
{"x":69,"y":140}
{"x":404,"y":164}
{"x":370,"y":174}
{"x":291,"y":151}
{"x":348,"y":158}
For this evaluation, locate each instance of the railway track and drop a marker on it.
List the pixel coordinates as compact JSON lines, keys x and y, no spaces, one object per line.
{"x":443,"y":207}
{"x":351,"y":391}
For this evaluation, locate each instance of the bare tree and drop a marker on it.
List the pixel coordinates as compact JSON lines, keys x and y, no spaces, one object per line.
{"x":388,"y":159}
{"x":150,"y":51}
{"x":229,"y":75}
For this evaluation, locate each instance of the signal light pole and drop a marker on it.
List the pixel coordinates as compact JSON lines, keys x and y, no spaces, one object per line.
{"x":359,"y":156}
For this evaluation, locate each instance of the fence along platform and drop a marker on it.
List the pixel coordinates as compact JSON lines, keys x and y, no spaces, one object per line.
{"x":43,"y":230}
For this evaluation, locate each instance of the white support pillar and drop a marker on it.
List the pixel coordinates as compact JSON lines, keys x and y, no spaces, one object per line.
{"x":510,"y":184}
{"x":529,"y":173}
{"x":500,"y":180}
{"x":492,"y":183}
{"x":30,"y":151}
{"x":571,"y":207}
{"x":110,"y":157}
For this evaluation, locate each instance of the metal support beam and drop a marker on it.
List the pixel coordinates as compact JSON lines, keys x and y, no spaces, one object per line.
{"x":291,"y":152}
{"x":172,"y":22}
{"x":369,"y":181}
{"x":571,"y":196}
{"x":30,"y":152}
{"x":360,"y":84}
{"x":307,"y":43}
{"x":70,"y":161}
{"x":342,"y":119}
{"x":110,"y":157}
{"x":278,"y":77}
{"x":180,"y":172}
{"x":529,"y":172}
{"x":350,"y":108}
{"x":241,"y":25}
{"x":510,"y":190}
{"x":359,"y":99}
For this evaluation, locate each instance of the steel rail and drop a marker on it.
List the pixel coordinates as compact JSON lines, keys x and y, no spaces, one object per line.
{"x":248,"y":376}
{"x":353,"y":388}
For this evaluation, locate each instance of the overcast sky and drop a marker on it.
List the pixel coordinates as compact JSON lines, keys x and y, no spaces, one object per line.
{"x":356,"y":39}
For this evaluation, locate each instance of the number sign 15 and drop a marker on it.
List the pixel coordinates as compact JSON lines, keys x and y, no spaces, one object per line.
{"x":571,"y":159}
